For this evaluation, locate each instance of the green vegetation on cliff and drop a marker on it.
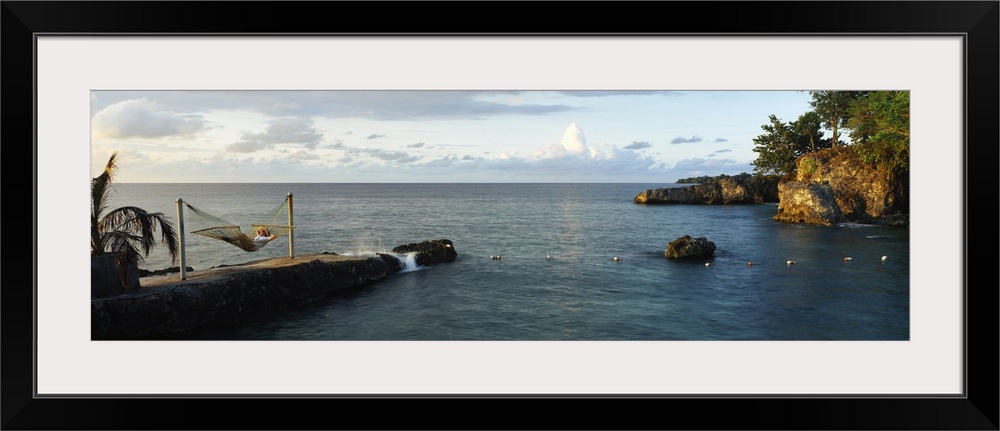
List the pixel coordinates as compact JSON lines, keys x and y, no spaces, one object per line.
{"x":706,"y":178}
{"x":880,"y":128}
{"x":878,"y":123}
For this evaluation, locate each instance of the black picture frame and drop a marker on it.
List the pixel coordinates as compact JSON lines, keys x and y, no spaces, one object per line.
{"x":977,"y":21}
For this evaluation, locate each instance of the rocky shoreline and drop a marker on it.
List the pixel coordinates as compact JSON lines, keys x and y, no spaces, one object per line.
{"x":722,"y":191}
{"x":166,"y":305}
{"x":830,"y":187}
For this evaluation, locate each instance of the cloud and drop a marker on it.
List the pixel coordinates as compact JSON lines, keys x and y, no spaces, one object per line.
{"x":606,"y":93}
{"x":377,"y":104}
{"x":303,"y":155}
{"x":724,"y":150}
{"x":637,"y":145}
{"x":417,"y":145}
{"x":374,"y":136}
{"x":574,"y":159}
{"x":420,"y":104}
{"x":142,"y":118}
{"x":390,"y":156}
{"x":712,"y":167}
{"x":284,"y":131}
{"x":683,"y":140}
{"x":571,"y":159}
{"x":574,"y":140}
{"x":720,"y":140}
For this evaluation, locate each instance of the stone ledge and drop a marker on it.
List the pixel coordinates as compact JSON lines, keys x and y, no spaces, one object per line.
{"x":165,"y":304}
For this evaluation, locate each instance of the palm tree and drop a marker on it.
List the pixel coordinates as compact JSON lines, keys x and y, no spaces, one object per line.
{"x":128,"y":232}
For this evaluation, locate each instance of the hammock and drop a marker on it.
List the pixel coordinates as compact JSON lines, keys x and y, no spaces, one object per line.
{"x":231,"y":233}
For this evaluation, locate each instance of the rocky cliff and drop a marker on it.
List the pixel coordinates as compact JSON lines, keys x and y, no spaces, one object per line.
{"x":811,"y":203}
{"x":831,"y":186}
{"x":862,"y":193}
{"x":723,"y":191}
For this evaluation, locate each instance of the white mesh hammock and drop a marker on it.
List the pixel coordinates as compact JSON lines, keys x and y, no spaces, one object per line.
{"x":248,"y":240}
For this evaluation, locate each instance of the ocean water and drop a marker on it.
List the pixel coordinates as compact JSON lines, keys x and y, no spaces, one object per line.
{"x":579,"y":292}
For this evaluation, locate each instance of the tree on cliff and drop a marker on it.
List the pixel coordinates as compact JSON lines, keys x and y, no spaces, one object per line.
{"x":809,"y":128}
{"x":834,"y":107}
{"x":127,"y":232}
{"x":782,"y":143}
{"x":880,"y":128}
{"x":775,"y":149}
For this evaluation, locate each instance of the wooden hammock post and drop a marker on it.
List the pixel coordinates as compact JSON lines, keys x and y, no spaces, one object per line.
{"x":291,"y":232}
{"x":180,"y":234}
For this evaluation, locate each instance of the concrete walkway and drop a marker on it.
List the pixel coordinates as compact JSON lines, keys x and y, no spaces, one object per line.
{"x":155,"y":283}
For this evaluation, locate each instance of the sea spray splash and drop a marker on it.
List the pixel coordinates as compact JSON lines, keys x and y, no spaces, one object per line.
{"x":408,"y":261}
{"x":367,"y":244}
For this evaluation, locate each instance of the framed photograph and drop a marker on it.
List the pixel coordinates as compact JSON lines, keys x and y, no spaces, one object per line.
{"x":78,"y":73}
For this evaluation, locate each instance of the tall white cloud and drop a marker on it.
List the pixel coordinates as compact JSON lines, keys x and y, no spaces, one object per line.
{"x":574,"y":141}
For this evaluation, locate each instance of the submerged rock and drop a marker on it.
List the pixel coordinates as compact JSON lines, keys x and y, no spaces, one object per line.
{"x":687,"y":247}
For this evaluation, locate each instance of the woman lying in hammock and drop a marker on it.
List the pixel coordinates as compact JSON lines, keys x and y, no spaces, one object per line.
{"x":263,"y":234}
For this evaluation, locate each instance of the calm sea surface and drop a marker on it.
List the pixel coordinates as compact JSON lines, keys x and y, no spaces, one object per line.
{"x":580,"y":292}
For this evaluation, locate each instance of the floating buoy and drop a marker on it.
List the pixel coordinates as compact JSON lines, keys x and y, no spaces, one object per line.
{"x":749,"y":263}
{"x":791,"y":262}
{"x":847,"y":259}
{"x":884,"y":258}
{"x":708,"y":263}
{"x":616,"y":259}
{"x":548,"y":257}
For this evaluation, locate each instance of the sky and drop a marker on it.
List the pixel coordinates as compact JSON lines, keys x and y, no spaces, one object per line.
{"x":423,"y":136}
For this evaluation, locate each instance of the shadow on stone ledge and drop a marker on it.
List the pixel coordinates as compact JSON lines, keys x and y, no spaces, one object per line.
{"x":227,"y":295}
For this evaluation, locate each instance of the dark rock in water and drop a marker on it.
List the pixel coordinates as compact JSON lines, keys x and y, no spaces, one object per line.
{"x":811,"y":203}
{"x":395,"y":265}
{"x":687,"y":247}
{"x":429,"y":252}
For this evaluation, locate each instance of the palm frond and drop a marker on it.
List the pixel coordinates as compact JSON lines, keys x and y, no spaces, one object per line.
{"x":119,"y":242}
{"x":141,"y":227}
{"x":100,"y":189}
{"x":128,"y":232}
